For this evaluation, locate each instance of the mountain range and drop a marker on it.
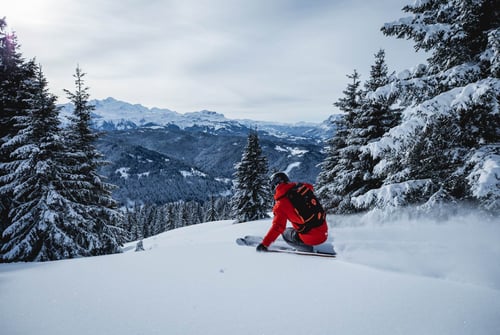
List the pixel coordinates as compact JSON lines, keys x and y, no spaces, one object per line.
{"x":111,"y":114}
{"x":158,"y":155}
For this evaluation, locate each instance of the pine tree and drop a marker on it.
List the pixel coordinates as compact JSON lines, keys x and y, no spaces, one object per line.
{"x":252,"y":196}
{"x":455,"y":32}
{"x":160,"y":220}
{"x":374,"y":118}
{"x":377,"y":114}
{"x":170,"y":217}
{"x":351,"y":100}
{"x":183,"y":214}
{"x":338,"y":178}
{"x":211,"y":211}
{"x":131,"y":225}
{"x":85,"y":186}
{"x":450,"y":128}
{"x":16,"y":86}
{"x":330,"y":167}
{"x":223,"y":208}
{"x":41,"y":216}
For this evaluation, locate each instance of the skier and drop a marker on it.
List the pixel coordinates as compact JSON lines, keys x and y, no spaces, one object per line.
{"x":283,"y":210}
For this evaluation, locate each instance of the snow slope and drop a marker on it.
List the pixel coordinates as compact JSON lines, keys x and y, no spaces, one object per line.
{"x":405,"y":277}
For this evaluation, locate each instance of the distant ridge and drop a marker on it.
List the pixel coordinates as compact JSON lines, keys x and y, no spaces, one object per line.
{"x":113,"y":114}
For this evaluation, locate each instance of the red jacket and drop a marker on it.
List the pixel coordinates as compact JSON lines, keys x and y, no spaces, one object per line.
{"x":283,"y":211}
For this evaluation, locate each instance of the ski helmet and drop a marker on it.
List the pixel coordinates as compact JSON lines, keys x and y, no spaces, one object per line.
{"x":278,"y":178}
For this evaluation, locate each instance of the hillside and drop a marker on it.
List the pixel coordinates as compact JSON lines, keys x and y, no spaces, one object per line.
{"x":403,"y":277}
{"x":157,"y":155}
{"x":164,"y":165}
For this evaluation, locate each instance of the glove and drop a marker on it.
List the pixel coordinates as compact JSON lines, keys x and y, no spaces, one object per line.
{"x":261,"y":247}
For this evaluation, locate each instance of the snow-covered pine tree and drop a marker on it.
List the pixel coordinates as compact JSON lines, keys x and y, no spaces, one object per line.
{"x":336,"y":180}
{"x":223,"y":208}
{"x":210,"y":210}
{"x":160,"y":223}
{"x":148,"y":214}
{"x":184,"y":215}
{"x":374,"y":117}
{"x":252,"y":197}
{"x":448,"y":140}
{"x":169,"y":217}
{"x":351,"y":100}
{"x":16,"y":79}
{"x":131,"y":225}
{"x":197,"y":209}
{"x":329,"y":166}
{"x":85,"y":186}
{"x":377,"y":114}
{"x":42,"y":220}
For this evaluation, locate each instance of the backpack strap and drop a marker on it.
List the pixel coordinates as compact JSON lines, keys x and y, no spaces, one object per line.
{"x":286,"y":193}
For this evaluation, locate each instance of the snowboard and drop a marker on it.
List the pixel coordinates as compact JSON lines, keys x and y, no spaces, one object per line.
{"x":322,"y":250}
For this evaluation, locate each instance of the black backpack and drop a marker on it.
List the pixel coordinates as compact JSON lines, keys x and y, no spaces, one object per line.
{"x":307,"y":207}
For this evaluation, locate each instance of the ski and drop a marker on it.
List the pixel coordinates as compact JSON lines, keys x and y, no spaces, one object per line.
{"x":323,"y":250}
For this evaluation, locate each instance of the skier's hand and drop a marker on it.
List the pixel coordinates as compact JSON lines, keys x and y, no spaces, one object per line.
{"x":261,"y":247}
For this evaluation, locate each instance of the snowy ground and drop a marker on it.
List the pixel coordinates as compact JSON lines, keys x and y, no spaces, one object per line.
{"x":403,"y":277}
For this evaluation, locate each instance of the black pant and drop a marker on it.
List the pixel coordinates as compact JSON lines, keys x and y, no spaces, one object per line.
{"x":291,"y":237}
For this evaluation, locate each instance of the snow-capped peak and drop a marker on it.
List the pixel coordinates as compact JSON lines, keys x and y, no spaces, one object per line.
{"x":113,"y":114}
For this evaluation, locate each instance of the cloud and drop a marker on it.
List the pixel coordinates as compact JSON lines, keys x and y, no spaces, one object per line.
{"x":282,"y":60}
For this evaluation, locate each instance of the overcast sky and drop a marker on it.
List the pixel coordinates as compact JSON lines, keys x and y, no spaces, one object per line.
{"x":275,"y":60}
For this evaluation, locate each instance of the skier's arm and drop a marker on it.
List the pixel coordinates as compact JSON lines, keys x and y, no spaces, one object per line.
{"x":277,"y":228}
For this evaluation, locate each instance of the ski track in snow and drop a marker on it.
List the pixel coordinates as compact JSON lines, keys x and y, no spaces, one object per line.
{"x":409,"y":277}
